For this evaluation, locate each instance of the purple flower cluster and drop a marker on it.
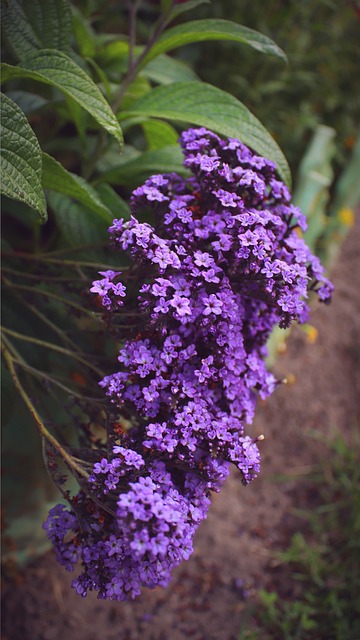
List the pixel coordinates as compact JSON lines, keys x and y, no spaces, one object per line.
{"x":149,"y":532}
{"x":110,"y":293}
{"x":221,"y":264}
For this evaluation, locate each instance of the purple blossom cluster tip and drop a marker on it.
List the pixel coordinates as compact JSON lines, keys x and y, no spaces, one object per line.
{"x":217,"y":264}
{"x":110,"y":292}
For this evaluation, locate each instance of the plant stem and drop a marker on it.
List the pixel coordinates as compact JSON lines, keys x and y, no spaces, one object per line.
{"x":41,"y":427}
{"x":133,"y":9}
{"x":10,"y":347}
{"x":37,"y":277}
{"x":134,"y":65}
{"x":52,"y":347}
{"x":49,"y":294}
{"x":44,"y":257}
{"x":46,"y":321}
{"x":45,"y":376}
{"x":130,"y":76}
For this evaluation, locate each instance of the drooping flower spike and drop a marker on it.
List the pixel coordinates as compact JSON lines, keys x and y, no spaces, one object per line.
{"x":218,"y":265}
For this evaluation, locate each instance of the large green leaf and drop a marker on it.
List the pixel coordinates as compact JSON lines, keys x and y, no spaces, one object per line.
{"x":117,"y":206}
{"x":83,"y":33}
{"x":165,"y":70}
{"x":57,"y":69}
{"x":134,"y":172}
{"x":78,"y":224}
{"x":20,"y":158}
{"x":35,"y":25}
{"x":28,"y":102}
{"x":57,"y":178}
{"x":181,"y":7}
{"x":159,"y":134}
{"x":207,"y":106}
{"x":201,"y":30}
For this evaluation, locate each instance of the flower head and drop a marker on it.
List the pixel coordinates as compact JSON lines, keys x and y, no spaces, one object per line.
{"x":221,"y":265}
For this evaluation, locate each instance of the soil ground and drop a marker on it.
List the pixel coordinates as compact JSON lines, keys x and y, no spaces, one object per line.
{"x":233,"y":547}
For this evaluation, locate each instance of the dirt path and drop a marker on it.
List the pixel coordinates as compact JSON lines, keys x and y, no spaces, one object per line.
{"x":205,"y":600}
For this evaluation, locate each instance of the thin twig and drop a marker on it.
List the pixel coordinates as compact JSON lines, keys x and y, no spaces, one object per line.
{"x":46,"y":321}
{"x":50,"y":294}
{"x":44,"y":375}
{"x":52,"y":347}
{"x":44,"y":257}
{"x":38,"y":276}
{"x":41,"y":427}
{"x":134,"y":67}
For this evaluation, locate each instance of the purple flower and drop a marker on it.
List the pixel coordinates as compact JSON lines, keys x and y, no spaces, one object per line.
{"x":181,"y":305}
{"x":212,"y":304}
{"x":221,"y":266}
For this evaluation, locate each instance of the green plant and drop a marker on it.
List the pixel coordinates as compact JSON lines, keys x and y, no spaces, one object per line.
{"x":317,"y":584}
{"x":320,"y":84}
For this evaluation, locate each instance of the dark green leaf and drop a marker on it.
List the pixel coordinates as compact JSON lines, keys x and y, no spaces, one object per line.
{"x":78,"y":116}
{"x":112,"y":158}
{"x":131,"y":173}
{"x":117,"y":206}
{"x":202,"y":30}
{"x":159,"y":134}
{"x":58,"y":70}
{"x":28,"y":102}
{"x":114,"y":56}
{"x":20,"y":158}
{"x":83,"y":33}
{"x":207,"y":106}
{"x":78,"y":224}
{"x":186,"y":6}
{"x":57,"y":178}
{"x":139,"y":87}
{"x":35,"y":25}
{"x":164,"y":70}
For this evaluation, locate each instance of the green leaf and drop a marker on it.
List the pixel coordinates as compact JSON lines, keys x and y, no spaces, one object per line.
{"x":35,"y":25}
{"x":28,"y":102}
{"x":165,"y":70}
{"x":102,"y":77}
{"x":84,"y":35}
{"x":159,"y":134}
{"x":138,"y":88}
{"x":58,"y":70}
{"x":78,"y":117}
{"x":78,"y":224}
{"x":20,"y":159}
{"x":114,"y":203}
{"x":132,"y":173}
{"x":186,"y":6}
{"x":57,"y":178}
{"x":112,"y":158}
{"x":202,"y":30}
{"x":207,"y":106}
{"x":114,"y":56}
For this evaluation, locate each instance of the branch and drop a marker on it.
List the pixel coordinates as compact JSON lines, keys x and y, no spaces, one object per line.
{"x":68,"y":459}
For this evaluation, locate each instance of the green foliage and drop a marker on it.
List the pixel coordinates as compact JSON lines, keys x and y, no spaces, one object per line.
{"x":57,"y":178}
{"x":321,"y":564}
{"x":163,"y":160}
{"x":21,"y":163}
{"x":32,"y":26}
{"x":320,"y":84}
{"x":202,"y":30}
{"x":205,"y":105}
{"x":60,"y":71}
{"x":41,"y":35}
